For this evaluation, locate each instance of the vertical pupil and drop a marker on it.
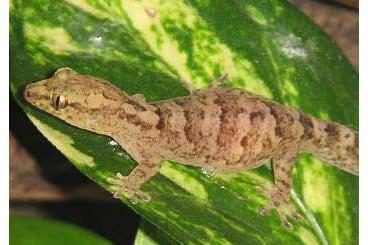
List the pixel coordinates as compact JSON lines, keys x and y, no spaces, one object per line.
{"x":57,"y":102}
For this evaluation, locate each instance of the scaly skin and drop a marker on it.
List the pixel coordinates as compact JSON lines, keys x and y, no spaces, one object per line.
{"x":224,"y":130}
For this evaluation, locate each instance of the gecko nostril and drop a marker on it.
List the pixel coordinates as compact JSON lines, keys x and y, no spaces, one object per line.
{"x":27,"y":91}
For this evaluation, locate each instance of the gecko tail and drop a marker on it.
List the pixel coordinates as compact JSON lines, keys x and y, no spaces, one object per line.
{"x":337,"y":145}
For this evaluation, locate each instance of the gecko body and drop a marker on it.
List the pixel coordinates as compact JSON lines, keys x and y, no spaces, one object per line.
{"x":223,"y":130}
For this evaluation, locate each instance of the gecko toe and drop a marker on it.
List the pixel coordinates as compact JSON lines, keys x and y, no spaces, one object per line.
{"x":138,"y":196}
{"x":111,"y":180}
{"x":132,"y":194}
{"x":297,"y":216}
{"x":293,"y":212}
{"x":261,"y":190}
{"x":287,"y":224}
{"x":265,"y":210}
{"x":265,"y":190}
{"x":134,"y":199}
{"x":281,"y":204}
{"x":144,"y":196}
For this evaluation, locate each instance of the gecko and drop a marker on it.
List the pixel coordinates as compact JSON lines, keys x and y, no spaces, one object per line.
{"x":222,"y":129}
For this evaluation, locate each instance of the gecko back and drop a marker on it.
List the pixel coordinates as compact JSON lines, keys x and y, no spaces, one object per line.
{"x":232,"y":129}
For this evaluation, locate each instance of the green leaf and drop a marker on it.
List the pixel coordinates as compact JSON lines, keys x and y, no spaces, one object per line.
{"x":146,"y":47}
{"x":29,"y":231}
{"x":151,"y":235}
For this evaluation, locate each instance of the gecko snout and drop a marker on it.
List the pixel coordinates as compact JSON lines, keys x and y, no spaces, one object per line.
{"x":27,"y":92}
{"x":30,"y":93}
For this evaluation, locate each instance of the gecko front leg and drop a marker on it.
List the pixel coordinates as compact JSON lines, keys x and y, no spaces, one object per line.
{"x":279,"y":196}
{"x":131,"y":185}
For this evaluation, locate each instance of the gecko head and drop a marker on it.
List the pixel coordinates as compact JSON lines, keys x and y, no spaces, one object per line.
{"x":83,"y":101}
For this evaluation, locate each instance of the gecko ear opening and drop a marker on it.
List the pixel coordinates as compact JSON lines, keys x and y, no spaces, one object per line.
{"x":64,"y":73}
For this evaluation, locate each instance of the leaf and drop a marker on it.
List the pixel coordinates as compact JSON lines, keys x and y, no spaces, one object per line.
{"x":29,"y":231}
{"x":146,"y":47}
{"x":150,"y":235}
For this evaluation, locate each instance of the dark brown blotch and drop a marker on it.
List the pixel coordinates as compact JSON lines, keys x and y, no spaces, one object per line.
{"x":308,"y":126}
{"x":279,"y":118}
{"x":136,"y":105}
{"x":202,"y":114}
{"x":106,"y":94}
{"x":135,"y":120}
{"x":161,"y":121}
{"x":284,"y":182}
{"x":267,"y":143}
{"x":289,"y":118}
{"x":356,"y":141}
{"x":279,"y":132}
{"x":188,"y":127}
{"x":332,"y":130}
{"x":244,"y":142}
{"x":274,"y":112}
{"x":79,"y":107}
{"x":253,"y":116}
{"x":276,"y":203}
{"x":179,"y":102}
{"x":219,"y":101}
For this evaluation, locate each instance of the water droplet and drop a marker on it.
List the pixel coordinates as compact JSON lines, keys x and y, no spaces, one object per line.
{"x":97,"y":40}
{"x":116,"y":195}
{"x":134,"y":199}
{"x":208,"y":172}
{"x":145,"y":197}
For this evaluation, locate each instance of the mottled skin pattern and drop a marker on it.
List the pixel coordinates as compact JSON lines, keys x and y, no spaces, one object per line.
{"x":222,"y":130}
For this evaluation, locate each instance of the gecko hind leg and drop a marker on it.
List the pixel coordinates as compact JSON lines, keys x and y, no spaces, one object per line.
{"x":280,"y":194}
{"x":130,"y":185}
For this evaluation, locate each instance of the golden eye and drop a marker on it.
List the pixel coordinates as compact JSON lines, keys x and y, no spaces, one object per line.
{"x":59,"y":101}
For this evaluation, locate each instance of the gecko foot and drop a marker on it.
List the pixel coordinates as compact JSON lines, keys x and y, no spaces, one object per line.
{"x":280,"y":203}
{"x":124,"y":188}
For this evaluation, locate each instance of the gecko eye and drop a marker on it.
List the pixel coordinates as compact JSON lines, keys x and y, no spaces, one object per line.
{"x":59,"y":101}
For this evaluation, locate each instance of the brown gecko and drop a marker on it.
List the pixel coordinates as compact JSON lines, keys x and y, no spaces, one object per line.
{"x":224,"y":130}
